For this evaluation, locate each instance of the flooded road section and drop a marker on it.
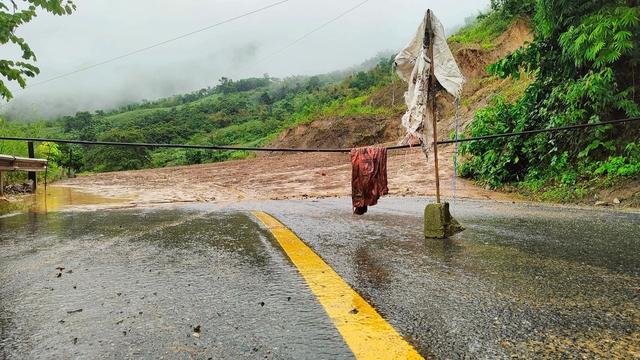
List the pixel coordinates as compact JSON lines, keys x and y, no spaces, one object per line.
{"x":57,"y":198}
{"x":522,"y":281}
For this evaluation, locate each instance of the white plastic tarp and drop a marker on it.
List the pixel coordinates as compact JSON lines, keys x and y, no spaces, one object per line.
{"x":413,"y":66}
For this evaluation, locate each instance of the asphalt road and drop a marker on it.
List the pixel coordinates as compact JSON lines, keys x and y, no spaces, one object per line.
{"x":211,"y":281}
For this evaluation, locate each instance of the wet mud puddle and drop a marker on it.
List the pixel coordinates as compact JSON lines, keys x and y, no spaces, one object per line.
{"x":58,"y":198}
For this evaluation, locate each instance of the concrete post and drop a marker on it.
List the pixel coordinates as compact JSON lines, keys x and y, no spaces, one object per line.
{"x":438,"y":222}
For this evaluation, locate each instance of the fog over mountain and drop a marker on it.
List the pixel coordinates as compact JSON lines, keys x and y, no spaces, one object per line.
{"x":104,"y":29}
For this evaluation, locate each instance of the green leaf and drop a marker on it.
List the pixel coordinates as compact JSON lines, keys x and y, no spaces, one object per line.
{"x":9,"y":22}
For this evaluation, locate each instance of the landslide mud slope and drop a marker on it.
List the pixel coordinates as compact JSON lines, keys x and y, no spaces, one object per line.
{"x":275,"y":175}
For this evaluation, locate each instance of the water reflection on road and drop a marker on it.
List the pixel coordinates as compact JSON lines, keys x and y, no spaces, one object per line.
{"x":139,"y":283}
{"x":56,"y":198}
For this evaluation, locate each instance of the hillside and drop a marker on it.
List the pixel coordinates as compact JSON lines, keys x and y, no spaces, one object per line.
{"x":579,"y":66}
{"x":309,"y":175}
{"x":599,"y":166}
{"x":364,"y":129}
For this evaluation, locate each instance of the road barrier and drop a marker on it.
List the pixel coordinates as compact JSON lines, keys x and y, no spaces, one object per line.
{"x":13,"y":163}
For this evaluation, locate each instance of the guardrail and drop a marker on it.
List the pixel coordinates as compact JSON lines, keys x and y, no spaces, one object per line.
{"x":14,"y":163}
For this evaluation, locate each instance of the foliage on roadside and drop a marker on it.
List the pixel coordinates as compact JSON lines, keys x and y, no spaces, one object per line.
{"x":489,"y":27}
{"x":584,"y":60}
{"x":486,"y":27}
{"x":45,"y":150}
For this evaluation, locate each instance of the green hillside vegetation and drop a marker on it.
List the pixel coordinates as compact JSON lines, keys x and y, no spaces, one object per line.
{"x":584,"y":63}
{"x":249,"y":112}
{"x":482,"y":30}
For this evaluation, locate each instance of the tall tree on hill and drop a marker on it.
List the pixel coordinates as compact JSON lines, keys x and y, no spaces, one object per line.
{"x":11,"y":17}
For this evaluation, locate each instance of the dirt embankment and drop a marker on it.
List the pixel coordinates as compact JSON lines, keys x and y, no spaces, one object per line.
{"x":340,"y":133}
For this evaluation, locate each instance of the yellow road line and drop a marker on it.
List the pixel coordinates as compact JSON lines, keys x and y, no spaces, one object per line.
{"x":368,"y":335}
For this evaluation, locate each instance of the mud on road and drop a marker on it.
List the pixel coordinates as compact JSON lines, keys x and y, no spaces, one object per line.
{"x":277,"y":177}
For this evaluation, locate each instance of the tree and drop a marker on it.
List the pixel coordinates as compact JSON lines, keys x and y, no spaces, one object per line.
{"x":226,"y":86}
{"x":363,"y":80}
{"x":266,"y":99}
{"x":80,"y":121}
{"x":313,"y":83}
{"x":10,"y":19}
{"x":49,"y":151}
{"x":118,"y":158}
{"x":510,"y":8}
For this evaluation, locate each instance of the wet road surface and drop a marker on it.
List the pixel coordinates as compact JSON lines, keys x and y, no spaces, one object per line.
{"x":522,"y":281}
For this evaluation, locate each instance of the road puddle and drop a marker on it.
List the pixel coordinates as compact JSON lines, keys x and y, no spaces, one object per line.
{"x":58,"y":198}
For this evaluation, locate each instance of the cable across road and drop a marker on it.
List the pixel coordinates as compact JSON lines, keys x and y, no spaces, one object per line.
{"x":244,"y":148}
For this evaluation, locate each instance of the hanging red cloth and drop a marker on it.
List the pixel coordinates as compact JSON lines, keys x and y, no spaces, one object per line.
{"x":368,"y":177}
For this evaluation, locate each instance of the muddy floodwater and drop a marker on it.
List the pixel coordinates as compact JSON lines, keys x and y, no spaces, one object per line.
{"x":57,"y":198}
{"x":210,"y":281}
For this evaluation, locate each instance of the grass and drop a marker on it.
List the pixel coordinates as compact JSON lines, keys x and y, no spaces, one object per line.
{"x":484,"y":33}
{"x":512,"y":89}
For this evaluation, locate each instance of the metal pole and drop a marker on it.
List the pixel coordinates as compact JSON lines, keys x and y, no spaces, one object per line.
{"x":70,"y":153}
{"x":32,"y":175}
{"x":431,"y":101}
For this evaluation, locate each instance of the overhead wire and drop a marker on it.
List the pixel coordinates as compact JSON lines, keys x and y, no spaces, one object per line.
{"x":456,"y":140}
{"x":539,"y":131}
{"x":152,"y":46}
{"x":197,"y":31}
{"x":299,"y":39}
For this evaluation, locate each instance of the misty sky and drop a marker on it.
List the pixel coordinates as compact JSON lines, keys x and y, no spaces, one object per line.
{"x":103,"y":29}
